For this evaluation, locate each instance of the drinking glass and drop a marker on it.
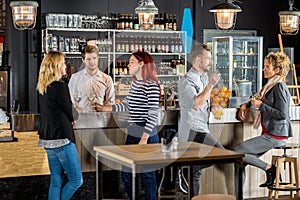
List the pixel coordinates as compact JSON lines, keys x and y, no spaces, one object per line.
{"x":77,"y":97}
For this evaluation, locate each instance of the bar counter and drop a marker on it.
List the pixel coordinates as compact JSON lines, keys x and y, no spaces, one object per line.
{"x":25,"y":158}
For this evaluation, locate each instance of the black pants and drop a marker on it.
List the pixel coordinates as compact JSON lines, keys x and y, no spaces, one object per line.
{"x":203,"y":138}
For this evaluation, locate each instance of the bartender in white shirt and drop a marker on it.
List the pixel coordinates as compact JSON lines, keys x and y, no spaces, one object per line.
{"x":90,"y":85}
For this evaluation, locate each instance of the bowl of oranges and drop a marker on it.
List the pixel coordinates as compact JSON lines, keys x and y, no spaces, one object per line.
{"x":220,"y":96}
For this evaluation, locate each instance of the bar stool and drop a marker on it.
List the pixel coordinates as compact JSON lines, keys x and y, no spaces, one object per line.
{"x":214,"y":197}
{"x":293,"y":184}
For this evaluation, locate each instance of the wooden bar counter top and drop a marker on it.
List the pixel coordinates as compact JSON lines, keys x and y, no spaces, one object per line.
{"x":22,"y":157}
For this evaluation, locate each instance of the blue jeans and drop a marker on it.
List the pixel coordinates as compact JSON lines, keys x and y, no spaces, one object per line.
{"x":148,"y":178}
{"x":60,"y":160}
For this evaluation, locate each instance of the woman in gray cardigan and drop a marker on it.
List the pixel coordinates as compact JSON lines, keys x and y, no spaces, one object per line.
{"x":272,"y":105}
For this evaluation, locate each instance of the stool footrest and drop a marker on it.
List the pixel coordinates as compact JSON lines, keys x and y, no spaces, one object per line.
{"x":284,"y":187}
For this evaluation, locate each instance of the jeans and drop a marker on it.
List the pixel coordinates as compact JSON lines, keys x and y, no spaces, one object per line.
{"x":60,"y":160}
{"x":203,"y":138}
{"x":148,"y":178}
{"x":254,"y":148}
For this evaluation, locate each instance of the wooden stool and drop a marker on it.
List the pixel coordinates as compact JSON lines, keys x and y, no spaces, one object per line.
{"x":214,"y":197}
{"x":293,"y":184}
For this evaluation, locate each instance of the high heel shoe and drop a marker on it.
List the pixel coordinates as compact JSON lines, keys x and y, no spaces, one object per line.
{"x":271,"y":175}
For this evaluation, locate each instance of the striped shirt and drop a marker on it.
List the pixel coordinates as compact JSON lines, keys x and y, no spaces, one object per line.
{"x":142,"y":103}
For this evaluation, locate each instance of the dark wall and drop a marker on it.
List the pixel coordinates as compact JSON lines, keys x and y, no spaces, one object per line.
{"x":25,"y":46}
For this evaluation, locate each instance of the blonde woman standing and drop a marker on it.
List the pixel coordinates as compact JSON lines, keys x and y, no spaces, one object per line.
{"x":56,"y":132}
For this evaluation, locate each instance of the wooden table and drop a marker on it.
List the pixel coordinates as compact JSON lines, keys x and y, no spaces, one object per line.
{"x":140,"y":158}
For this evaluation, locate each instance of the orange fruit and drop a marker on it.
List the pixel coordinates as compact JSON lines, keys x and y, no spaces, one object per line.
{"x":223,"y":88}
{"x":215,"y":91}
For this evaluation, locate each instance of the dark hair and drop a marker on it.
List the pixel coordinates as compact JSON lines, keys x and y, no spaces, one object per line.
{"x":89,"y":49}
{"x":149,"y":67}
{"x":198,"y":50}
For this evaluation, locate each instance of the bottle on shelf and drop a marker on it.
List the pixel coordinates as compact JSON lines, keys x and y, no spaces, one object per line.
{"x":166,"y":20}
{"x":140,"y":44}
{"x":126,"y":42}
{"x":145,"y":45}
{"x":162,"y":22}
{"x":158,"y":45}
{"x":136,"y":24}
{"x":132,"y":47}
{"x":172,"y":45}
{"x":163,"y":45}
{"x":156,"y":22}
{"x":153,"y":44}
{"x":170,"y":22}
{"x":174,"y":22}
{"x":149,"y":44}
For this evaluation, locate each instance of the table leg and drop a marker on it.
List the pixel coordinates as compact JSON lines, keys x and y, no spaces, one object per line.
{"x":99,"y":191}
{"x":133,"y":183}
{"x":190,"y":181}
{"x":239,"y":180}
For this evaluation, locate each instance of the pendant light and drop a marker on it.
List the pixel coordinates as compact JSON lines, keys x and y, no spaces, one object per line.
{"x":146,"y":11}
{"x":225,"y":15}
{"x":24,"y":14}
{"x":289,"y":20}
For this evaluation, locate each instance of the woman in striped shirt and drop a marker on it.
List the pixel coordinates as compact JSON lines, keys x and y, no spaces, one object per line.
{"x":142,"y":103}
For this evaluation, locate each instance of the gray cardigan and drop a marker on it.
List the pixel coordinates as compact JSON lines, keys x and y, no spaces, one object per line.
{"x":275,"y":110}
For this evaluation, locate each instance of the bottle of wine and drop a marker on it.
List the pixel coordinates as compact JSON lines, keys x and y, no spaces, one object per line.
{"x":166,"y":21}
{"x":162,"y":22}
{"x":174,"y":22}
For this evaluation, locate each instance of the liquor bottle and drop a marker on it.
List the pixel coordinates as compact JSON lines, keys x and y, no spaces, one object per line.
{"x":124,"y":66}
{"x":117,"y":68}
{"x":130,"y":21}
{"x":162,"y":23}
{"x":163,"y":45}
{"x":153,"y":44}
{"x":122,"y":42}
{"x":140,"y":43}
{"x":172,"y":45}
{"x":149,"y":44}
{"x":136,"y":44}
{"x":145,"y":45}
{"x":132,"y":43}
{"x":180,"y":47}
{"x":174,"y":22}
{"x":122,"y":22}
{"x":156,"y":22}
{"x":167,"y":45}
{"x":170,"y":22}
{"x":166,"y":21}
{"x":127,"y":46}
{"x":136,"y":24}
{"x":158,"y":46}
{"x":118,"y":43}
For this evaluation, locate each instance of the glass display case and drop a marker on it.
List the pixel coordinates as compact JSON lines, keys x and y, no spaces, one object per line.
{"x":239,"y":61}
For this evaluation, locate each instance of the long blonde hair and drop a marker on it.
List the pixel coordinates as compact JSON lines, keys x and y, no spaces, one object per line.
{"x":49,"y":70}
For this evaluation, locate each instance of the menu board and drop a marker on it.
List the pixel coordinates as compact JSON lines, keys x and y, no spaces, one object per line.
{"x":3,"y":14}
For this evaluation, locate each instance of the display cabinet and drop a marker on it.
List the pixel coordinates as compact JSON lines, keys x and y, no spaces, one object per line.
{"x":116,"y":46}
{"x":239,"y":61}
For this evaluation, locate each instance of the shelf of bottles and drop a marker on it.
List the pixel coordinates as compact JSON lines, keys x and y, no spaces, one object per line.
{"x":116,"y":37}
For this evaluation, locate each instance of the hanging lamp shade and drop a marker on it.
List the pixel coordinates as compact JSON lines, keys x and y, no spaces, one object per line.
{"x":146,"y":11}
{"x":24,"y":14}
{"x":225,"y":15}
{"x":289,"y":20}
